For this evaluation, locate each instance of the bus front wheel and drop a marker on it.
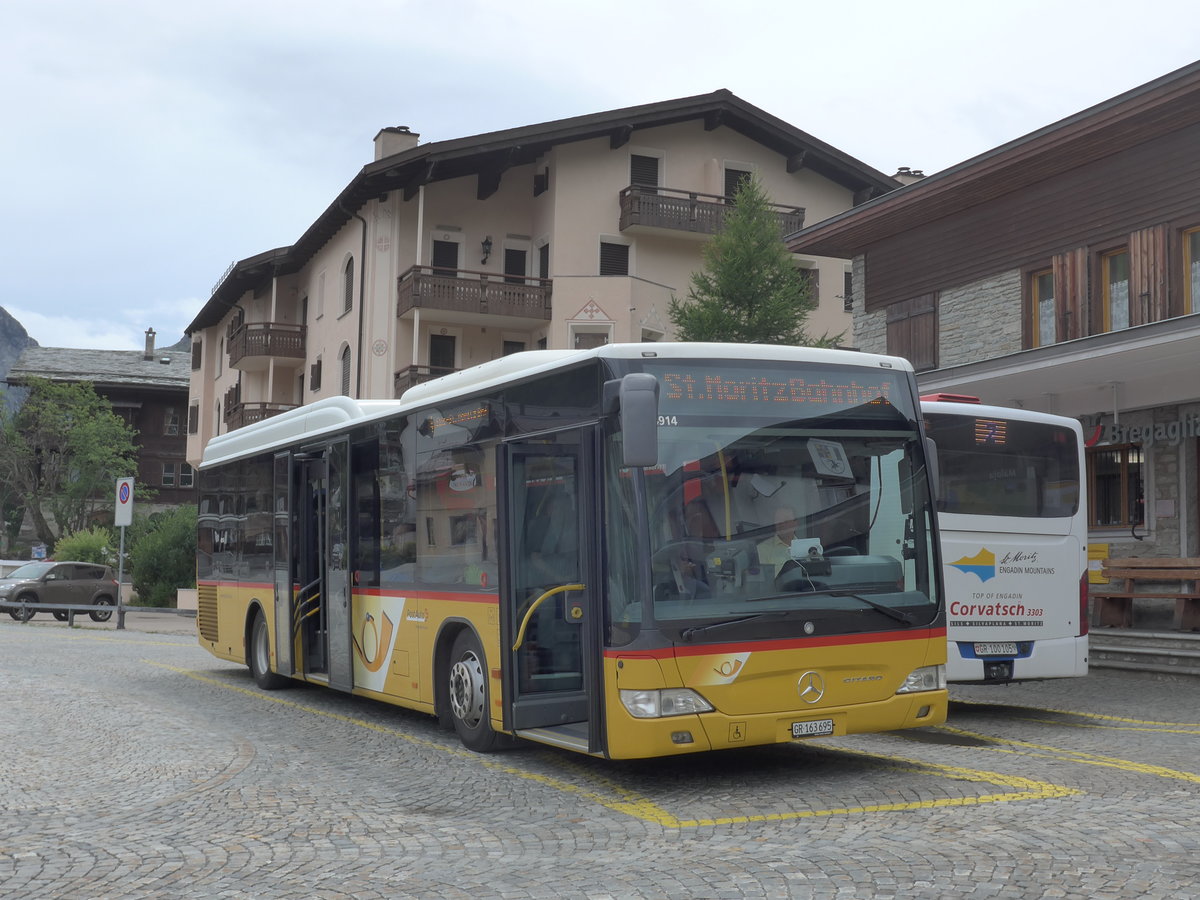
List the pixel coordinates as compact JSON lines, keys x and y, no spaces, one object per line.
{"x":260,"y":657}
{"x":468,"y":692}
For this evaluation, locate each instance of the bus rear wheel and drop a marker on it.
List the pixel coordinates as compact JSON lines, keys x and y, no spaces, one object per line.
{"x":468,"y":693}
{"x":259,"y":656}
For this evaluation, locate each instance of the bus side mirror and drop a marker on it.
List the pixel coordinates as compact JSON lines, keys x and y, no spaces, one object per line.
{"x":638,"y":395}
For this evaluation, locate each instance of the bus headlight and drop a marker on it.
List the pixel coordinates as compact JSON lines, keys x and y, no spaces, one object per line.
{"x":926,"y":678}
{"x":666,"y":702}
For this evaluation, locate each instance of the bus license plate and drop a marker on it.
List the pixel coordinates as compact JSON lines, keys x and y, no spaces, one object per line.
{"x":816,"y":728}
{"x":996,"y":648}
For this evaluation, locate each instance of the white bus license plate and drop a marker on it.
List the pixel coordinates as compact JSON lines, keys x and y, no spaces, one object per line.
{"x":996,"y":648}
{"x":816,"y":728}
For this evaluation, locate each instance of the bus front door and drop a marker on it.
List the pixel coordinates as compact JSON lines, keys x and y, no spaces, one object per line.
{"x":550,"y":623}
{"x":321,"y":609}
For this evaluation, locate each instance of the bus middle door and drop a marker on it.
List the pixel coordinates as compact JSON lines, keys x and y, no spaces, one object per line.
{"x":322,"y":606}
{"x":550,"y":617}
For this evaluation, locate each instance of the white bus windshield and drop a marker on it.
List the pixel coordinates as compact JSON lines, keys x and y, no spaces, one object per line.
{"x":1005,"y":467}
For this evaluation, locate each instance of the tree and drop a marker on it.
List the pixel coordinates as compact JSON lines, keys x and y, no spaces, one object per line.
{"x":748,"y":291}
{"x":62,"y":452}
{"x":162,"y":555}
{"x":95,"y":545}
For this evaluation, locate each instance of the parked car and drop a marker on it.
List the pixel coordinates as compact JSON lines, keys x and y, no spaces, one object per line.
{"x":63,"y":583}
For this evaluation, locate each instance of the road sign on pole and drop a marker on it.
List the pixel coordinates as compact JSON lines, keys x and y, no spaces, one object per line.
{"x":121,"y":517}
{"x":124,"y":511}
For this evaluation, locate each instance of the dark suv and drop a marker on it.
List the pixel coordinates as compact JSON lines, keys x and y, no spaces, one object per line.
{"x":66,"y":583}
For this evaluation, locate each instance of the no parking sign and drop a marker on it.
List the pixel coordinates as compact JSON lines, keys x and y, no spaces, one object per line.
{"x":124,"y":512}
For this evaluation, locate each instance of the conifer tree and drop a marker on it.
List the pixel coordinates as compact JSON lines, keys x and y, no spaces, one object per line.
{"x":749,"y":291}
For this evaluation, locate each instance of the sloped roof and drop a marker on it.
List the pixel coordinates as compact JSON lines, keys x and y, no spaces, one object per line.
{"x":1159,"y":107}
{"x":489,"y":155}
{"x":167,"y":370}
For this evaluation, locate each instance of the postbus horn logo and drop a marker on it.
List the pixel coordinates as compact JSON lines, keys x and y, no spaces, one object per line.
{"x":982,"y":564}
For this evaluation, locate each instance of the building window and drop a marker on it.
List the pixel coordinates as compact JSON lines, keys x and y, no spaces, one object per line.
{"x":912,"y":331}
{"x":194,"y":418}
{"x":1114,"y":280}
{"x":1191,"y":271}
{"x":734,"y":179}
{"x":346,"y":372}
{"x":348,"y":286}
{"x":643,"y":170}
{"x":197,"y":355}
{"x":848,"y":292}
{"x":1041,"y":292}
{"x":170,"y":420}
{"x":187,"y":475}
{"x":1116,"y":497}
{"x":614,"y":258}
{"x":544,"y":261}
{"x":445,"y":256}
{"x":314,"y":376}
{"x":168,"y":474}
{"x":586,"y":340}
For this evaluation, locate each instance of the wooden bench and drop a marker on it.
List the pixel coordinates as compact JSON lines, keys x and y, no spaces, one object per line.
{"x":1114,"y":601}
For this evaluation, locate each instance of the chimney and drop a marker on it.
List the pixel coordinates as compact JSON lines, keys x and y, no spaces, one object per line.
{"x":905,"y":175}
{"x":149,"y":354}
{"x":394,"y":139}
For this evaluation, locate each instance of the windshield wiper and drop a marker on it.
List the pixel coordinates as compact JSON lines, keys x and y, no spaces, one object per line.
{"x":688,"y":633}
{"x":898,"y":614}
{"x":890,"y":611}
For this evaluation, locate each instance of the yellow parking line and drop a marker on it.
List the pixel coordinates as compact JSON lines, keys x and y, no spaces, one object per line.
{"x":1140,"y":724}
{"x":615,"y":797}
{"x":1091,"y":759}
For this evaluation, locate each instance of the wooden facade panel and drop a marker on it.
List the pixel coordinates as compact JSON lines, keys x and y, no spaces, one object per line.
{"x":1148,"y":275}
{"x":1101,"y":203}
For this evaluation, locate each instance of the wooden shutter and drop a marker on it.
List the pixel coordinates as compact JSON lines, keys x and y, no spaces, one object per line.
{"x":445,"y":254}
{"x":912,"y":331}
{"x":348,"y":300}
{"x":733,"y":181}
{"x":614,"y":259}
{"x":1148,"y":275}
{"x":643,"y":170}
{"x":1070,"y":293}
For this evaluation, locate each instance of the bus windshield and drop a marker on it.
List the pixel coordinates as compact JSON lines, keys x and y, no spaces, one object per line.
{"x":778,"y":511}
{"x":993,"y":466}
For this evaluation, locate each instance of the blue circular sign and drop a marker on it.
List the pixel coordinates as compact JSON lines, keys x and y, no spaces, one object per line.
{"x":123,"y":493}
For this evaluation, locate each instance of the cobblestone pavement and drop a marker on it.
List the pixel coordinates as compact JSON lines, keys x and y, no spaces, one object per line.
{"x":136,"y":765}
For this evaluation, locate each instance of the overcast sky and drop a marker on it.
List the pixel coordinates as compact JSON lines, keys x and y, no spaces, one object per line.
{"x":148,"y":144}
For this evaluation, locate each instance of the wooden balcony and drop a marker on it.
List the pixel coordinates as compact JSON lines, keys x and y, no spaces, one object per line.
{"x":473,"y":293}
{"x":690,"y":211}
{"x":406,"y":378}
{"x":239,"y":414}
{"x":253,"y":344}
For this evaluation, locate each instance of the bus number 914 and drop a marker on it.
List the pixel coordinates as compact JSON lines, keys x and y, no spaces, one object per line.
{"x":668,"y":420}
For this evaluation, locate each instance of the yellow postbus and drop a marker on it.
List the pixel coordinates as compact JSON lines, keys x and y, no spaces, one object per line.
{"x":631,"y":551}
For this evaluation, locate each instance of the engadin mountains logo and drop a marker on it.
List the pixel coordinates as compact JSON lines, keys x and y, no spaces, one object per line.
{"x":982,"y":564}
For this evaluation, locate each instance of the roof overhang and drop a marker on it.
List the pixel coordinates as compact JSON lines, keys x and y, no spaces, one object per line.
{"x":1135,"y":368}
{"x":1160,"y":107}
{"x":488,"y":156}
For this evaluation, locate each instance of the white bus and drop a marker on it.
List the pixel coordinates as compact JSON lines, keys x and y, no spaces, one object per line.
{"x":1012,"y":511}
